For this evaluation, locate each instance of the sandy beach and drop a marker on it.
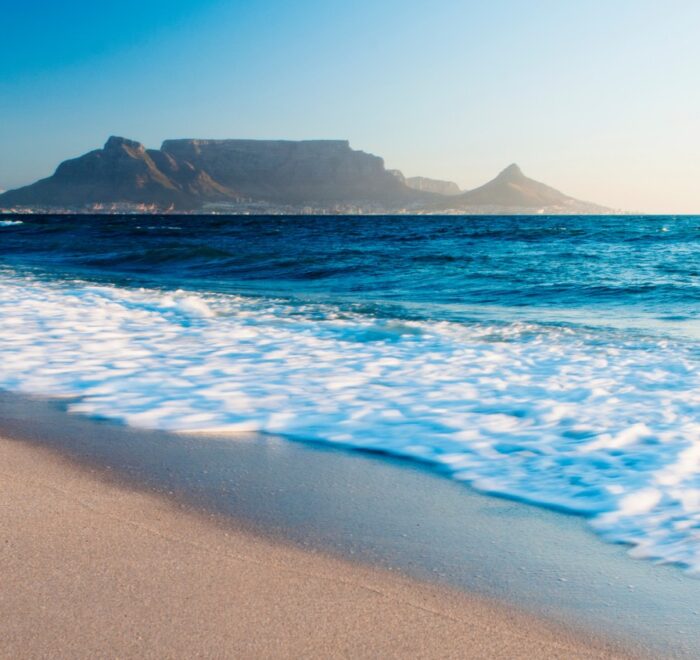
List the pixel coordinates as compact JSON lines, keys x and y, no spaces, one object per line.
{"x":92,"y":568}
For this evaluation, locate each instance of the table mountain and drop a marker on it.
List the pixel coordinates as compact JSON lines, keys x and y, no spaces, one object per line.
{"x":186,"y":174}
{"x":297,"y":172}
{"x":274,"y":174}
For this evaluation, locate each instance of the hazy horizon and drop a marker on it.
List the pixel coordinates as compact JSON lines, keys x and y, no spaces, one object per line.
{"x":597,"y":101}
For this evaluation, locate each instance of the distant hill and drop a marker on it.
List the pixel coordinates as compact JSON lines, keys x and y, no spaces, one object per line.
{"x":425,"y":184}
{"x":512,"y":189}
{"x":268,"y":176}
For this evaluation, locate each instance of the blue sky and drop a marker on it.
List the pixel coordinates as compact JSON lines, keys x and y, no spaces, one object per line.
{"x":599,"y":98}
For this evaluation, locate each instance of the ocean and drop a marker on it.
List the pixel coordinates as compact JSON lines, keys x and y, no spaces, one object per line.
{"x":552,"y":360}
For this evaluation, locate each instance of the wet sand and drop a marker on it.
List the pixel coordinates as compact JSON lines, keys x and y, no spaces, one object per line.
{"x":92,"y":567}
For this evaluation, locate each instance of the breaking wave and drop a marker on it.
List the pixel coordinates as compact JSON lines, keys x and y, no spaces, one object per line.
{"x":598,"y":422}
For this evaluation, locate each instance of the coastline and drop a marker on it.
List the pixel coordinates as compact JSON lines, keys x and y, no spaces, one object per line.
{"x":92,"y":567}
{"x":395,"y":516}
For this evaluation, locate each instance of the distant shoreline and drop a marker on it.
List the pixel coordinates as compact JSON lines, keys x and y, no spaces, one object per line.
{"x":461,"y":213}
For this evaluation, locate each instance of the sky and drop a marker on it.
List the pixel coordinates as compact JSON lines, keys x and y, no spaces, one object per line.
{"x":599,"y":98}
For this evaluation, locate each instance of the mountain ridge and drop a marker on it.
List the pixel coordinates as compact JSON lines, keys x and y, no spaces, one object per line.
{"x":237,"y":175}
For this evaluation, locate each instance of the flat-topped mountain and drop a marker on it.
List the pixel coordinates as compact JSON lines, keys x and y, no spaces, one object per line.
{"x":307,"y":171}
{"x":268,"y":176}
{"x":186,"y":174}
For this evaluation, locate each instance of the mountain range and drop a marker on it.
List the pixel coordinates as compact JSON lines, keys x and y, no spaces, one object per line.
{"x":268,"y":176}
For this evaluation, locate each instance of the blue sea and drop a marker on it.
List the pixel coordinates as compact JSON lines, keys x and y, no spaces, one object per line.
{"x":553,"y":360}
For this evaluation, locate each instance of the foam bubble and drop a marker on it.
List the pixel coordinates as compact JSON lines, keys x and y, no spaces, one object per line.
{"x":604,"y":425}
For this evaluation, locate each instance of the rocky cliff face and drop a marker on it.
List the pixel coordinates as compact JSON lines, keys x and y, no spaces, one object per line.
{"x":189,"y":173}
{"x":291,"y":172}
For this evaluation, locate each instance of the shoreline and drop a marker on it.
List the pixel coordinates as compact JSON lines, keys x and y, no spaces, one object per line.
{"x":383,"y":513}
{"x":93,"y":567}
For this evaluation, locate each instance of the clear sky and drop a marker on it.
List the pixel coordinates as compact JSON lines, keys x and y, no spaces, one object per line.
{"x":600,"y":98}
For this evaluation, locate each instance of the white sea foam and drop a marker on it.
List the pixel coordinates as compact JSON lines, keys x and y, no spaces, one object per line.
{"x":590,"y":422}
{"x":10,"y":223}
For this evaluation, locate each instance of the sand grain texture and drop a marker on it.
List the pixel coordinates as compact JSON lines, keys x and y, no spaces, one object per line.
{"x":91,"y":568}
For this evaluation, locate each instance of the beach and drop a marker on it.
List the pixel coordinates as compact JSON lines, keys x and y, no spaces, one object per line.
{"x":93,"y":568}
{"x":148,"y":521}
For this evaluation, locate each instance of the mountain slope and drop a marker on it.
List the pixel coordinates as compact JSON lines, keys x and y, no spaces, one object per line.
{"x":121,"y":172}
{"x":426,"y":184}
{"x":438,"y":186}
{"x":297,"y":172}
{"x":187,"y":174}
{"x":512,"y":189}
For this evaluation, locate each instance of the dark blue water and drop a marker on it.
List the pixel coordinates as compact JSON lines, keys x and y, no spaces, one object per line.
{"x":618,"y":270}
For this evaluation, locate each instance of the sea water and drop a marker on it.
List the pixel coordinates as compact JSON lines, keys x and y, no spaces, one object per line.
{"x":550,"y":360}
